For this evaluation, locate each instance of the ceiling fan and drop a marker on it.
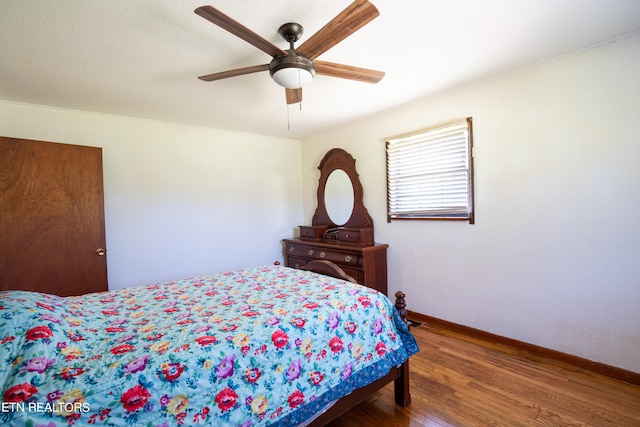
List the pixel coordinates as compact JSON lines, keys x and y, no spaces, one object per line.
{"x":296,"y":67}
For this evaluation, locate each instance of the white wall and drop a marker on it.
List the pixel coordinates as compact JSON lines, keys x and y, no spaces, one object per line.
{"x":180,"y":201}
{"x":554,"y":256}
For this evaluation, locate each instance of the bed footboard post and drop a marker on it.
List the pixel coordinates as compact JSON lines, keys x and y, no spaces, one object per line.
{"x":401,"y":305}
{"x":401,"y":384}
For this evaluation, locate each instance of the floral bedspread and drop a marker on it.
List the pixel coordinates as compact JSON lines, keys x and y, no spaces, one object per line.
{"x":260,"y":346}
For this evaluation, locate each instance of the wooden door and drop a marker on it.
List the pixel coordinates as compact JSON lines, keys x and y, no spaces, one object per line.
{"x":52,"y":236}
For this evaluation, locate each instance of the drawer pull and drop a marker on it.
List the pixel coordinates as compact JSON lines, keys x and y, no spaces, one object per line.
{"x":323,"y":254}
{"x":292,"y":248}
{"x":310,"y":252}
{"x":347,"y":258}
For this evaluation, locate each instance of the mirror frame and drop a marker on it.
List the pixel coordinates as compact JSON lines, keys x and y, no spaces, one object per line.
{"x":338,"y":158}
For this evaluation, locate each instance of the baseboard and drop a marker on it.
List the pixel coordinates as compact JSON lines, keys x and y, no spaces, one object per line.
{"x":578,"y":362}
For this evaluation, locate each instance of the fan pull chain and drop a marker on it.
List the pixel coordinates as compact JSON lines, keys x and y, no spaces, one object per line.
{"x":289,"y":115}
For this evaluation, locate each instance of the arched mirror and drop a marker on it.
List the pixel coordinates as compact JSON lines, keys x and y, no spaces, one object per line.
{"x":340,"y":193}
{"x":338,"y":197}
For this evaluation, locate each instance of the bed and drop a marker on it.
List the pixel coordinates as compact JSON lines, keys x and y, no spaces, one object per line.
{"x":261,"y":346}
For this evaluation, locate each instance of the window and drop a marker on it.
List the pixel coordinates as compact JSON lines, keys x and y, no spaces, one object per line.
{"x":430,"y":174}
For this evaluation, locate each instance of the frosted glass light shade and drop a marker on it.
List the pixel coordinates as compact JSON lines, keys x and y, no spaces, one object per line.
{"x":292,"y":77}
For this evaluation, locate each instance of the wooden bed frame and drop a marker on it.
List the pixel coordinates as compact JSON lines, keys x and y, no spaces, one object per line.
{"x":398,"y":374}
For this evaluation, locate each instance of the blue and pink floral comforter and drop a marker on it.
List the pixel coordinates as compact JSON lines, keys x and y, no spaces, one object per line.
{"x":261,"y":346}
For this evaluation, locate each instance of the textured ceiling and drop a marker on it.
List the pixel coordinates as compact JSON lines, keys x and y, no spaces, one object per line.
{"x":141,"y":58}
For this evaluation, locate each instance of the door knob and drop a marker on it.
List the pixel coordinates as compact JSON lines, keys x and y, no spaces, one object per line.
{"x":100,"y":251}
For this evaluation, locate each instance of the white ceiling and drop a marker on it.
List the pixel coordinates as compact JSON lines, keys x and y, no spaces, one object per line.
{"x":141,"y":58}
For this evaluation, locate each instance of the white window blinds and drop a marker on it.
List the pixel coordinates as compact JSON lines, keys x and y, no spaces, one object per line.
{"x":430,"y":174}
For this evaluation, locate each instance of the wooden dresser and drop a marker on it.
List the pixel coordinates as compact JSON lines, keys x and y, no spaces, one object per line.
{"x":342,"y":236}
{"x":366,"y":264}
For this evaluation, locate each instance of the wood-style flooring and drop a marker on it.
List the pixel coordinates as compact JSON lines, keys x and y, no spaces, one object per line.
{"x":457,"y":380}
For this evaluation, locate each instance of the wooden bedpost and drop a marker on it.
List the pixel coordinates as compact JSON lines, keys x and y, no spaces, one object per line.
{"x":401,"y":305}
{"x":401,"y":384}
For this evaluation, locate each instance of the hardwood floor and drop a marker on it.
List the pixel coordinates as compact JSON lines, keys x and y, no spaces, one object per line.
{"x":457,"y":380}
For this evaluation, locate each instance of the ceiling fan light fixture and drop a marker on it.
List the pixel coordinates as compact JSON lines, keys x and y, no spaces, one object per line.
{"x":292,"y":71}
{"x":292,"y":78}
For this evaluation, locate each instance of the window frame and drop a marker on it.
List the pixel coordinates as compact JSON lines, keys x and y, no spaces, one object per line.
{"x":467,"y":214}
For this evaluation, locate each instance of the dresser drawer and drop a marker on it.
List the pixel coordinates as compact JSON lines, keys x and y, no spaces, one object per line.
{"x":339,"y":257}
{"x":356,"y":235}
{"x":349,"y":235}
{"x":295,"y":262}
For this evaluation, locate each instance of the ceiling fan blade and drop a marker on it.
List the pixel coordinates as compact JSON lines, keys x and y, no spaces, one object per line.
{"x":293,"y":95}
{"x":233,"y":73}
{"x":347,"y":22}
{"x":223,"y":21}
{"x":348,"y":72}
